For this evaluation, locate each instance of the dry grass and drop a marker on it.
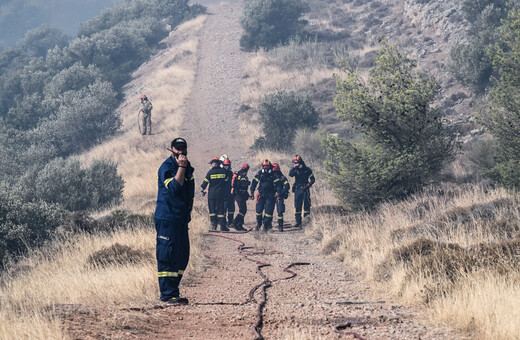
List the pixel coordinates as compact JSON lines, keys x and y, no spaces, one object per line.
{"x":493,"y":304}
{"x":446,"y":248}
{"x":63,"y":274}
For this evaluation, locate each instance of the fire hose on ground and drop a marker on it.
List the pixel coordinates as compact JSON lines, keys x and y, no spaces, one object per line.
{"x":266,"y":283}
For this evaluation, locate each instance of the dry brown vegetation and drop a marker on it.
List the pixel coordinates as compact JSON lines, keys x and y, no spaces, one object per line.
{"x":455,"y":250}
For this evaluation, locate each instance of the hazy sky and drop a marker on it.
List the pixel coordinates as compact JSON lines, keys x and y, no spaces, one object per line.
{"x":19,"y":16}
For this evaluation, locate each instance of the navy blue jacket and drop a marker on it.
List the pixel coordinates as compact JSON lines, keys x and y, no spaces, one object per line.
{"x":267,"y":183}
{"x":174,"y":202}
{"x":285,"y":184}
{"x":302,"y":176}
{"x":219,"y":183}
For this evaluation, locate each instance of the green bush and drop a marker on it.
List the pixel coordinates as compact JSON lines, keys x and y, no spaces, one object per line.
{"x":503,"y":116}
{"x":268,"y":23}
{"x":404,"y":142}
{"x":38,"y":41}
{"x":281,"y":114}
{"x":308,"y":142}
{"x":24,"y":224}
{"x":471,"y":65}
{"x":83,"y":119}
{"x":470,"y":62}
{"x":64,"y":182}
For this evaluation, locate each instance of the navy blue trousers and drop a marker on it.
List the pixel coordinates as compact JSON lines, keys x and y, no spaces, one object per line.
{"x":280,"y":209}
{"x":216,"y":211}
{"x":242,"y":208}
{"x":265,"y":202}
{"x":173,"y":254}
{"x":229,"y":207}
{"x":301,"y":197}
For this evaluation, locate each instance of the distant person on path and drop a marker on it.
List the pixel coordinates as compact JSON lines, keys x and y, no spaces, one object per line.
{"x":146,"y":115}
{"x":172,"y":215}
{"x":303,"y":180}
{"x":239,"y":188}
{"x":268,"y":186}
{"x":281,"y":196}
{"x":217,"y":178}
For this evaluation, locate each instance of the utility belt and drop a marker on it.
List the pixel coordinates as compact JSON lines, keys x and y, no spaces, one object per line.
{"x":302,"y":186}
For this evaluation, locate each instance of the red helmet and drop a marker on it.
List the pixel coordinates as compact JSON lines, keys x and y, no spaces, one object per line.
{"x":143,"y":96}
{"x":297,"y":159}
{"x":226,"y":161}
{"x":276,"y":167}
{"x":245,"y":166}
{"x":267,"y":164}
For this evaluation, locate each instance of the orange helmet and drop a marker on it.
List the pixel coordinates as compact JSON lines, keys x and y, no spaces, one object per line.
{"x":245,"y":166}
{"x":267,"y":164}
{"x":276,"y":167}
{"x":214,"y":160}
{"x":297,"y":159}
{"x":143,"y":96}
{"x":226,"y":161}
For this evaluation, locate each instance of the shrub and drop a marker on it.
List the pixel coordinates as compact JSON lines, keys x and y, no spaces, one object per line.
{"x":267,"y":23}
{"x":470,"y":62}
{"x":503,"y":118}
{"x":24,"y":224}
{"x":38,"y":41}
{"x":84,"y":118}
{"x":403,"y":140}
{"x":281,"y":114}
{"x":64,"y":182}
{"x":471,"y":65}
{"x":308,"y":142}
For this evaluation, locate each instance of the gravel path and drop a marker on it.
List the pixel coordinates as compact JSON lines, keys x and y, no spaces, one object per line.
{"x":211,"y":119}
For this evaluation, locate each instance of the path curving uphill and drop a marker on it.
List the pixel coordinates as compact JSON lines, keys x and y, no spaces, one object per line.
{"x":211,"y":115}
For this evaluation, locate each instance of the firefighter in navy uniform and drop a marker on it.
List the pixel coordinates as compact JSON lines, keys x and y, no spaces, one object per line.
{"x":268,"y":186}
{"x":229,"y":200}
{"x":303,"y":180}
{"x":218,"y":179}
{"x":239,"y":189}
{"x":281,"y":196}
{"x":171,"y":218}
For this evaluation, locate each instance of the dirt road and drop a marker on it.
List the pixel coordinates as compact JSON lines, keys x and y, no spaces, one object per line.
{"x":323,"y":300}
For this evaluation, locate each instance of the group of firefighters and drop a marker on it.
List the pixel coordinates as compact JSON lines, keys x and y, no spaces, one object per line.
{"x":227,"y":187}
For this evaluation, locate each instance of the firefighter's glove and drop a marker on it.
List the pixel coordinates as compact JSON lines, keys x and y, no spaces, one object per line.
{"x":306,"y":186}
{"x":203,"y":193}
{"x":251,"y":196}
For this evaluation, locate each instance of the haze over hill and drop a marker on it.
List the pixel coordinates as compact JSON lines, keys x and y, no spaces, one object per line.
{"x":19,"y":16}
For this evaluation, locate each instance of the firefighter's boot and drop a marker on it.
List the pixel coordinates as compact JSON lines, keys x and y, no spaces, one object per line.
{"x":230,"y":220}
{"x":298,"y":218}
{"x":213,"y":226}
{"x":258,"y":222}
{"x":280,"y":225}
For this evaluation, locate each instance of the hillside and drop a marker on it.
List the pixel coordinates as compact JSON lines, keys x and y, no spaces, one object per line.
{"x":344,"y":275}
{"x":204,"y":54}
